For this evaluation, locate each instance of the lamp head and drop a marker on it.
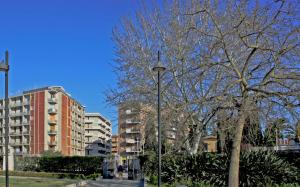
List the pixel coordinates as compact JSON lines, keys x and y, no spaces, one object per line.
{"x":159,"y":67}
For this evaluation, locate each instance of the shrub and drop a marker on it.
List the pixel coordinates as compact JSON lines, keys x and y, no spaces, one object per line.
{"x":291,"y":157}
{"x":26,"y":163}
{"x":74,"y":164}
{"x":261,"y":168}
{"x":60,"y":164}
{"x":257,"y":168}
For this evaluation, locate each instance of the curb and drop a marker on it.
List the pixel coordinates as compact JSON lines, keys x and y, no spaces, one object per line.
{"x":81,"y":183}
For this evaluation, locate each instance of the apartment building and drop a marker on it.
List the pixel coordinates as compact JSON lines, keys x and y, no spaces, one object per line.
{"x":97,"y":135}
{"x":44,"y":119}
{"x":131,"y":129}
{"x":115,"y":144}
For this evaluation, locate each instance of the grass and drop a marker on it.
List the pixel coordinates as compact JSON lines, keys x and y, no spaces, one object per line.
{"x":36,"y":182}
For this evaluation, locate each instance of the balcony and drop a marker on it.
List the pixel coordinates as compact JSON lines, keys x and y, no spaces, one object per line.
{"x":17,"y":133}
{"x":130,"y":141}
{"x":132,"y":131}
{"x":15,"y":124}
{"x":16,"y":143}
{"x":19,"y":153}
{"x":88,"y":121}
{"x":52,"y":122}
{"x":15,"y":104}
{"x":26,"y":113}
{"x":130,"y":121}
{"x":130,"y":112}
{"x":52,"y":100}
{"x":52,"y":143}
{"x":25,"y":122}
{"x":25,"y":142}
{"x":26,"y":133}
{"x":12,"y":114}
{"x":52,"y":91}
{"x":132,"y":150}
{"x":88,"y":135}
{"x":26,"y":102}
{"x":52,"y":111}
{"x":52,"y":132}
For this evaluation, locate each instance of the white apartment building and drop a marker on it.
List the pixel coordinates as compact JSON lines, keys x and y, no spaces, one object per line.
{"x":98,"y":134}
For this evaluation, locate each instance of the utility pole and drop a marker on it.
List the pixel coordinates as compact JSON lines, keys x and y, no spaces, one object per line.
{"x":5,"y":67}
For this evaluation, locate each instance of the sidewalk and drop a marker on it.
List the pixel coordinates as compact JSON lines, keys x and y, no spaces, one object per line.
{"x":112,"y":183}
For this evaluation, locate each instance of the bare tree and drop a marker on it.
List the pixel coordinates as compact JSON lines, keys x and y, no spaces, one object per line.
{"x":236,"y":56}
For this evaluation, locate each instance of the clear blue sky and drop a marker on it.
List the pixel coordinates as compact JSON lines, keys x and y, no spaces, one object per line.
{"x":63,"y":42}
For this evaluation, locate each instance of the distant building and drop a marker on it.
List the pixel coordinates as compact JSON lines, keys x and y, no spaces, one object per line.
{"x":131,"y":129}
{"x":133,"y":118}
{"x":115,"y":144}
{"x":44,"y":119}
{"x":210,"y":144}
{"x":97,"y":135}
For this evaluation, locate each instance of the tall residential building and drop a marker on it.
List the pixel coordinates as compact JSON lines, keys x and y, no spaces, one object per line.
{"x":44,"y":119}
{"x":133,"y":120}
{"x":131,"y":129}
{"x":115,"y":144}
{"x":97,"y":135}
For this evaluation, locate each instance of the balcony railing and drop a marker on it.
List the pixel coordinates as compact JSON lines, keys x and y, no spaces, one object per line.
{"x":52,"y":111}
{"x":26,"y":113}
{"x":52,"y":122}
{"x":25,"y":132}
{"x":25,"y":102}
{"x":88,"y":121}
{"x":15,"y":104}
{"x":52,"y":100}
{"x":129,"y":121}
{"x":52,"y":132}
{"x":15,"y":133}
{"x":17,"y":143}
{"x":15,"y":124}
{"x":132,"y":150}
{"x":52,"y":143}
{"x":132,"y":131}
{"x":130,"y":141}
{"x":15,"y":114}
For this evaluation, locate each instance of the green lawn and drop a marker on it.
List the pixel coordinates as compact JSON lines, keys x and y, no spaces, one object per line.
{"x":36,"y":182}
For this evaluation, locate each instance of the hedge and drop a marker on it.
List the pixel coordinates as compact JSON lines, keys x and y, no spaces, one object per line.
{"x":61,"y":164}
{"x":51,"y":175}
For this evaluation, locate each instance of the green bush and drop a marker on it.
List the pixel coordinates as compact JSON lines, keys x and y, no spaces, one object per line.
{"x":26,"y":163}
{"x":262,"y":168}
{"x":257,"y":168}
{"x":74,"y":164}
{"x":291,"y":157}
{"x":58,"y":164}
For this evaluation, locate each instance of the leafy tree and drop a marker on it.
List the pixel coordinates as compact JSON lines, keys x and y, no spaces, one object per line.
{"x":50,"y":153}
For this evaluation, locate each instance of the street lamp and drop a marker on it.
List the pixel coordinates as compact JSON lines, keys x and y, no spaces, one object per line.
{"x":5,"y":67}
{"x":159,"y":68}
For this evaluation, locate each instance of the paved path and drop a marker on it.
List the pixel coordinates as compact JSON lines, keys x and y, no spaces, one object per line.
{"x":112,"y":183}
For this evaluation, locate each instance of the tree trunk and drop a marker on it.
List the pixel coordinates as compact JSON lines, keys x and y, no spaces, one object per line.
{"x":233,"y":180}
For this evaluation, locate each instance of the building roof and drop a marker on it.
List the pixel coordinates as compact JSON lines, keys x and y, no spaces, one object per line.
{"x":96,"y":114}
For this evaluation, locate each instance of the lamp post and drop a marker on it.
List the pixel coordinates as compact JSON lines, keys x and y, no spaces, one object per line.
{"x":159,"y":68}
{"x":5,"y":67}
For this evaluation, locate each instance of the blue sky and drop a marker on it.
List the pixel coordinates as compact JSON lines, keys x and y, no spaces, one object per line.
{"x":63,"y":42}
